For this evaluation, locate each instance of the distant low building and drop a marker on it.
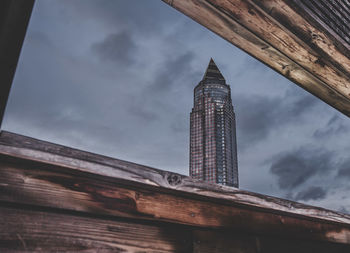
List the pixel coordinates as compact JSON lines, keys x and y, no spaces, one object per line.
{"x":213,"y":146}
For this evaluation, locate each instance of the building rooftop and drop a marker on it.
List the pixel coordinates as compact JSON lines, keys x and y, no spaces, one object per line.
{"x":213,"y":72}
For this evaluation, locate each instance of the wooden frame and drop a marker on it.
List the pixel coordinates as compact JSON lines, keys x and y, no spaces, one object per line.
{"x":54,"y":180}
{"x":58,"y":198}
{"x":14,"y":19}
{"x":287,"y":36}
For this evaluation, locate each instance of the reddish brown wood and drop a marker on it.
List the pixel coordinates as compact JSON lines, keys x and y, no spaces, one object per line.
{"x":23,"y":230}
{"x":284,"y":36}
{"x":219,"y":241}
{"x":333,"y":15}
{"x":122,"y":189}
{"x":29,"y":149}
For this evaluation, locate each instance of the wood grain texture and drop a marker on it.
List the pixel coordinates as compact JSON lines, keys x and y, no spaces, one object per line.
{"x":38,"y":231}
{"x":53,"y":187}
{"x":42,"y":179}
{"x":332,"y":15}
{"x":14,"y":18}
{"x":275,"y":33}
{"x":29,"y":149}
{"x":220,"y":241}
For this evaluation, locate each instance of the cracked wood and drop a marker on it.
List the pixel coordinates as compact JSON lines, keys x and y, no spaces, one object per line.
{"x":37,"y":173}
{"x":278,"y":33}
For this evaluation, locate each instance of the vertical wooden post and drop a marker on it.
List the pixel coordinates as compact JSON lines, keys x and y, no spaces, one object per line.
{"x":14,"y":18}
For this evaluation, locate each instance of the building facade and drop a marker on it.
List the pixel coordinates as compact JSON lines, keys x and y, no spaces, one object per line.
{"x":213,"y":146}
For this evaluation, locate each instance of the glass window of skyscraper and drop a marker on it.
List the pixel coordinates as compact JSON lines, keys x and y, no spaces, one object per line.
{"x":213,"y":146}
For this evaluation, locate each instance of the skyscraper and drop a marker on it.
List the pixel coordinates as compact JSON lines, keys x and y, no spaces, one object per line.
{"x":213,"y":146}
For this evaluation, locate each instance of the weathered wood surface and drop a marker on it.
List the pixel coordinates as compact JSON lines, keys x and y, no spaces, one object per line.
{"x":220,"y":241}
{"x":42,"y":185}
{"x":31,"y":149}
{"x":44,"y":174}
{"x":14,"y":18}
{"x":45,"y":230}
{"x":333,"y":15}
{"x":282,"y":35}
{"x":24,"y":230}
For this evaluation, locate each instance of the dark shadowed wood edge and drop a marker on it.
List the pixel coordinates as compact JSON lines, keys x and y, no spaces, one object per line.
{"x":43,"y":230}
{"x":218,"y":242}
{"x":28,"y":229}
{"x":285,"y":36}
{"x":25,"y":230}
{"x":40,"y":173}
{"x":14,"y":19}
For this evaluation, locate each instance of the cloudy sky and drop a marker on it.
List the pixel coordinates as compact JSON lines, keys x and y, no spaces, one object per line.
{"x":116,"y":77}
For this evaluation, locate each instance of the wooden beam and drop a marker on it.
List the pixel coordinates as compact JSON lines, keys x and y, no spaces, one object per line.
{"x":14,"y":18}
{"x":38,"y":184}
{"x":22,"y":147}
{"x":25,"y":230}
{"x":38,"y":173}
{"x":219,"y":241}
{"x":48,"y":230}
{"x":283,"y":35}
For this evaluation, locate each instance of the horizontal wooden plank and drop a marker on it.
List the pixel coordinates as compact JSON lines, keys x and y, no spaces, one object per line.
{"x":218,"y":242}
{"x":41,"y":184}
{"x":331,"y":14}
{"x":29,"y":149}
{"x":275,"y":33}
{"x":304,"y":41}
{"x":45,"y":230}
{"x":23,"y":230}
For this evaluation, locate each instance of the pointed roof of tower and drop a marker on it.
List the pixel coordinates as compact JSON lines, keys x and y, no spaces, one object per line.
{"x":213,"y":71}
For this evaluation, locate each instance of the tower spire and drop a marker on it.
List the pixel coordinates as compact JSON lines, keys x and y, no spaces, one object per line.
{"x":213,"y":71}
{"x":213,"y":146}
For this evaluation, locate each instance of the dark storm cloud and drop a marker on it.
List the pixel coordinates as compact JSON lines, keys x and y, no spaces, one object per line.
{"x":344,"y":169}
{"x":296,"y":167}
{"x":343,"y":210}
{"x":173,"y":71}
{"x":117,"y":47}
{"x":148,"y":17}
{"x":334,"y":126}
{"x":140,"y":110}
{"x":259,"y":116}
{"x":311,"y":193}
{"x":179,"y":126}
{"x":56,"y":94}
{"x":160,"y":97}
{"x":120,"y":113}
{"x":39,"y":38}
